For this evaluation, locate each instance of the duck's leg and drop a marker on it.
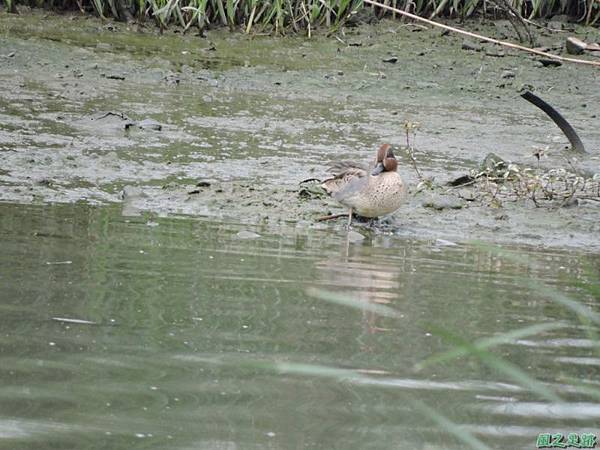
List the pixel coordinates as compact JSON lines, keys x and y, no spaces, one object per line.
{"x":349,"y":218}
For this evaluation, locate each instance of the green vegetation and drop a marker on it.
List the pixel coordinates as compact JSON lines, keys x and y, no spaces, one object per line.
{"x":280,"y":16}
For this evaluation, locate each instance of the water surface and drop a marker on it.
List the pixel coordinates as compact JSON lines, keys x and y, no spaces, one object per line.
{"x":201,"y":339}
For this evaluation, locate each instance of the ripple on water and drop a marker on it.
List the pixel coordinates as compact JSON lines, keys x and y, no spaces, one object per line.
{"x":191,"y":337}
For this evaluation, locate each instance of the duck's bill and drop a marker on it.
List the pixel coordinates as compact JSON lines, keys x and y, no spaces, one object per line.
{"x":378,"y":169}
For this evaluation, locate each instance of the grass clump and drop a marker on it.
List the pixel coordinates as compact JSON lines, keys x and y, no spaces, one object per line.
{"x":281,"y":16}
{"x":559,"y":187}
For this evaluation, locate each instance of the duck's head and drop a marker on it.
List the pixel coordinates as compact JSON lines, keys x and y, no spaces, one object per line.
{"x":386,"y":161}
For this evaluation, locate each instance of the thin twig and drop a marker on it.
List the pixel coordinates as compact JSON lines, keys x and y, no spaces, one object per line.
{"x":414,"y":162}
{"x":331,"y":217}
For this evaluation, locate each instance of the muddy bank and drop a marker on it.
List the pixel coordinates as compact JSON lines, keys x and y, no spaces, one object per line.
{"x":248,"y":118}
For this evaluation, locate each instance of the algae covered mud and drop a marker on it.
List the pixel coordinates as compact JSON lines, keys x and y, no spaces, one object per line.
{"x":228,"y":126}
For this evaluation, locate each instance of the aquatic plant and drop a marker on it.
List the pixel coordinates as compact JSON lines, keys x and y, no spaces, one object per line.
{"x":305,"y":15}
{"x":553,"y":187}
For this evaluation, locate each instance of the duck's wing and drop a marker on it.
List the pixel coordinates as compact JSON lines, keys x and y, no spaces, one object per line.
{"x":339,"y":167}
{"x":345,"y":174}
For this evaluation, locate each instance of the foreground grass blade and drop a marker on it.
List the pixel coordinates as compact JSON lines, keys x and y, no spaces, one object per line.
{"x":319,"y":371}
{"x":487,"y":343}
{"x":351,"y":375}
{"x":510,"y":370}
{"x":584,"y":313}
{"x":592,"y":391}
{"x":346,"y":300}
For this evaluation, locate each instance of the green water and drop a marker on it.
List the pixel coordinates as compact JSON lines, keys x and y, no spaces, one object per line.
{"x":203,"y":340}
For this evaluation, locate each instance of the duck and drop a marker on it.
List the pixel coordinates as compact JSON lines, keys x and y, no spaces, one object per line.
{"x":372,"y":190}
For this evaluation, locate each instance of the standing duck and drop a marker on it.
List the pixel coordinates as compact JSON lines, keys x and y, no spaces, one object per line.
{"x":368,"y":192}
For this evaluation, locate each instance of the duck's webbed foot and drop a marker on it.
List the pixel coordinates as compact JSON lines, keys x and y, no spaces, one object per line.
{"x":365,"y":221}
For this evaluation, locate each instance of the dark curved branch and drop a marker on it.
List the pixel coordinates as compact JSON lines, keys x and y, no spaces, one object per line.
{"x":560,"y":121}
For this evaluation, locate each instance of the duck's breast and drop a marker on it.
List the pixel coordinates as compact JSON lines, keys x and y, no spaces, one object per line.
{"x":380,"y":195}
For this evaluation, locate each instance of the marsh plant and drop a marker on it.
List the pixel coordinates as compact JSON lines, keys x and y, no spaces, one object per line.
{"x":304,"y":15}
{"x":497,"y":181}
{"x":503,"y":181}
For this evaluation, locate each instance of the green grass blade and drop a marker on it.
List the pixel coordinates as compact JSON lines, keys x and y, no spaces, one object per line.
{"x":585,"y":388}
{"x":346,"y":300}
{"x":510,"y":370}
{"x":584,"y":313}
{"x":141,"y":7}
{"x":487,"y":343}
{"x":231,"y":10}
{"x":221,"y":10}
{"x":99,"y":7}
{"x":319,"y":371}
{"x":113,"y":8}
